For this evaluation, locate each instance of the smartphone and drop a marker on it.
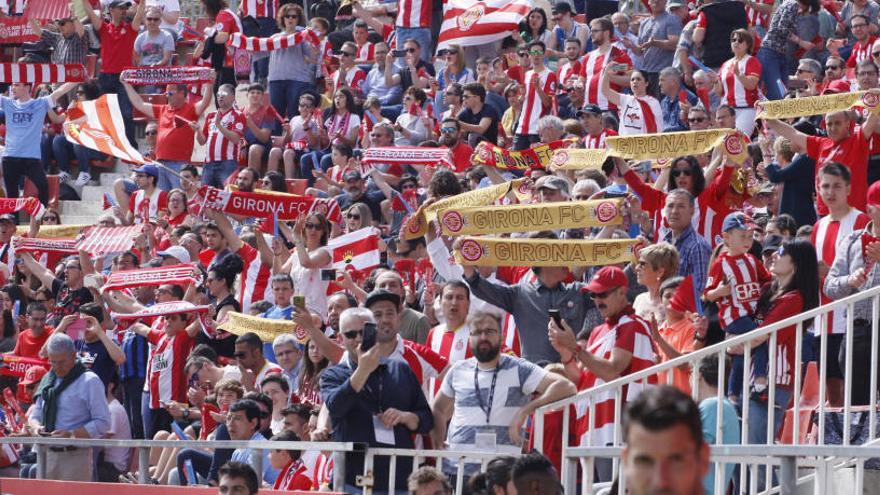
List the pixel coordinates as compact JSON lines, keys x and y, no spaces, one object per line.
{"x":619,"y":67}
{"x":328,"y":275}
{"x":557,"y":318}
{"x":299,"y":302}
{"x":398,"y":53}
{"x":77,"y":329}
{"x":369,"y":339}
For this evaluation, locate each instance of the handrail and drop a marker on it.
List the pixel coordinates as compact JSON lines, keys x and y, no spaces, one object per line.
{"x":860,"y":451}
{"x":705,"y":351}
{"x":195,"y":444}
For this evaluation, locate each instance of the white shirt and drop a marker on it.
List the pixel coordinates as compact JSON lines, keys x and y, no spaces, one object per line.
{"x":120,"y":429}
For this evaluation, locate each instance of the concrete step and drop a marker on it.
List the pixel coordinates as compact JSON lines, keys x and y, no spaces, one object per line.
{"x":107,"y":178}
{"x":78,"y":219}
{"x":81,"y":208}
{"x":94,"y":193}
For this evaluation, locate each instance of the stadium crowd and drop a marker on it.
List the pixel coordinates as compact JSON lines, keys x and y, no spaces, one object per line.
{"x":416,"y":349}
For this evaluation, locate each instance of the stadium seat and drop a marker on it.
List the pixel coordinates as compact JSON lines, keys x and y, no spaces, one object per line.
{"x":297,"y":186}
{"x":809,"y":401}
{"x":30,"y":190}
{"x":91,"y":65}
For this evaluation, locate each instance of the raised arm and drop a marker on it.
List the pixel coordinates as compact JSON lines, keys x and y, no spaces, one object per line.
{"x":61,"y":91}
{"x":226,"y":229}
{"x":207,"y":95}
{"x":797,"y":138}
{"x":612,"y":96}
{"x":136,"y":100}
{"x":138,"y":19}
{"x":94,"y":18}
{"x":45,"y":275}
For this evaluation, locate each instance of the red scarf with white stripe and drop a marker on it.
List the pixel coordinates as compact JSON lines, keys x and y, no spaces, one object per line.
{"x":408,"y":155}
{"x":141,"y":76}
{"x":264,"y":204}
{"x":41,"y":73}
{"x":182,"y":274}
{"x":43,"y":245}
{"x":277,"y":42}
{"x":31,"y":206}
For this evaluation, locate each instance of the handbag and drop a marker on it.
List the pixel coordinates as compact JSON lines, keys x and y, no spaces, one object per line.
{"x":858,"y":430}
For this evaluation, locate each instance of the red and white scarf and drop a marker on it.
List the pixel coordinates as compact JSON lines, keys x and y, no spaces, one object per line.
{"x":182,"y":274}
{"x":162,"y":309}
{"x":339,"y":123}
{"x":43,"y":245}
{"x":41,"y":73}
{"x":18,"y":366}
{"x":142,"y":76}
{"x":101,"y":241}
{"x":31,"y":206}
{"x":277,"y":42}
{"x":408,"y":155}
{"x":263,"y":204}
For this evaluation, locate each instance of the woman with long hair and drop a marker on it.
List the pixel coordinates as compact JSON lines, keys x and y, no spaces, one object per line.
{"x":357,"y":216}
{"x":640,"y":113}
{"x":513,"y":95}
{"x":310,"y":257}
{"x":307,"y":384}
{"x":341,"y":125}
{"x":219,"y":283}
{"x":456,"y":71}
{"x":773,"y":54}
{"x":533,"y":27}
{"x":739,"y":79}
{"x":177,"y":213}
{"x":289,"y":74}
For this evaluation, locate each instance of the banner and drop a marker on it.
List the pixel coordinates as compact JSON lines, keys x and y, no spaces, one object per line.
{"x":41,"y":73}
{"x":469,"y":23}
{"x":276,"y":42}
{"x":98,"y":125}
{"x":408,"y":155}
{"x":489,"y":154}
{"x":44,"y":245}
{"x":578,"y":158}
{"x":287,"y":207}
{"x":31,"y":206}
{"x":815,"y":105}
{"x":240,"y":324}
{"x":528,"y":218}
{"x":417,"y":225}
{"x":489,"y":251}
{"x":142,"y":76}
{"x":101,"y":241}
{"x":17,"y":366}
{"x":15,"y":30}
{"x":54,"y":231}
{"x":668,"y":145}
{"x":162,"y":309}
{"x":182,"y":274}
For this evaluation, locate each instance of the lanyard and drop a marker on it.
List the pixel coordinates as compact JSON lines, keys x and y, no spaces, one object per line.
{"x":487,"y":410}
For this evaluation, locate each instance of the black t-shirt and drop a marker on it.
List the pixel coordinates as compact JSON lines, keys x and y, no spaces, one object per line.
{"x":67,"y":300}
{"x":468,"y":117}
{"x":406,"y":79}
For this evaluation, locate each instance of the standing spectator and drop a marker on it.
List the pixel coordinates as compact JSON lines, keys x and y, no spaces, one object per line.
{"x":604,"y":53}
{"x":289,"y":74}
{"x":223,"y":131}
{"x":70,"y":404}
{"x":154,"y":46}
{"x":773,"y":56}
{"x":373,"y":400}
{"x":522,"y":387}
{"x":455,"y":72}
{"x":540,"y":89}
{"x":415,"y":70}
{"x":640,"y":113}
{"x":174,"y":144}
{"x":258,"y":19}
{"x":717,"y":20}
{"x":565,"y":27}
{"x":413,"y":23}
{"x":113,"y":461}
{"x":148,"y":200}
{"x":681,"y":332}
{"x":31,"y":340}
{"x":656,"y":264}
{"x":693,"y":249}
{"x":69,"y":45}
{"x":658,"y":37}
{"x":226,"y":23}
{"x":117,"y":37}
{"x":796,"y":173}
{"x":626,"y":38}
{"x":738,"y":80}
{"x":348,"y":75}
{"x":68,"y":292}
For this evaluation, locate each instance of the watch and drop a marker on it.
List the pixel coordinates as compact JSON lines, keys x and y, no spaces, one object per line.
{"x":186,"y":413}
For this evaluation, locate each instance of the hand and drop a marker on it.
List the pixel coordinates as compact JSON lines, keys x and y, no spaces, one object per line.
{"x":218,"y":417}
{"x":92,"y":325}
{"x":174,"y":409}
{"x":67,"y":321}
{"x":320,"y":435}
{"x":858,"y":278}
{"x":873,"y":252}
{"x":701,"y":325}
{"x":389,"y":59}
{"x":368,"y":361}
{"x":61,"y":434}
{"x":722,"y":290}
{"x":515,"y":427}
{"x":393,"y":417}
{"x":196,"y":396}
{"x":736,"y":70}
{"x":562,"y":339}
{"x":194,"y":125}
{"x":248,"y":378}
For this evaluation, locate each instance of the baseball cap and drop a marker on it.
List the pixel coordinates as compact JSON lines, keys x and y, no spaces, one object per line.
{"x":381,"y":295}
{"x":33,"y":375}
{"x":352,"y":175}
{"x":837,"y":86}
{"x":607,"y":278}
{"x":553,"y":182}
{"x":873,"y":195}
{"x":674,"y":4}
{"x":771,"y":243}
{"x":8,"y":217}
{"x":177,"y":252}
{"x":119,"y":3}
{"x":737,"y":220}
{"x":149,"y":169}
{"x":561,"y":8}
{"x":589,"y":110}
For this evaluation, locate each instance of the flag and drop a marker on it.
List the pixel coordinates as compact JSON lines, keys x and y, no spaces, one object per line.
{"x":407,"y":201}
{"x":469,"y":23}
{"x":685,"y":298}
{"x":358,"y":250}
{"x":109,"y":201}
{"x":98,"y":125}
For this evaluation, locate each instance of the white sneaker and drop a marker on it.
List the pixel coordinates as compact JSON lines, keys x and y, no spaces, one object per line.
{"x":63,"y":176}
{"x":83,"y":179}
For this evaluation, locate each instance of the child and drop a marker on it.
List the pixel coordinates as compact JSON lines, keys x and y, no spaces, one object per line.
{"x":735,"y":280}
{"x":292,"y":472}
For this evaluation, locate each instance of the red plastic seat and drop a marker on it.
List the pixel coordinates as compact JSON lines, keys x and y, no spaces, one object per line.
{"x":809,"y":401}
{"x":297,"y":186}
{"x":30,"y":190}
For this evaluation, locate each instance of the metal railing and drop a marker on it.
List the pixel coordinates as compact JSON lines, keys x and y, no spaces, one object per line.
{"x":590,"y":398}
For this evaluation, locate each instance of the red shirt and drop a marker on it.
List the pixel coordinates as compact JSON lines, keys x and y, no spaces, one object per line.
{"x":860,"y":52}
{"x":175,"y":139}
{"x":28,"y":345}
{"x":117,"y":46}
{"x":293,"y":477}
{"x":852,"y":152}
{"x":167,"y":380}
{"x":227,"y":22}
{"x":461,"y":156}
{"x":745,"y":274}
{"x":785,"y":306}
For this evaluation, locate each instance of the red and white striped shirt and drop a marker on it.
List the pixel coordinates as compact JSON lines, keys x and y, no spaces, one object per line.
{"x":220,"y":148}
{"x":735,"y":94}
{"x":144,"y":207}
{"x":255,"y":278}
{"x":598,"y":142}
{"x":367,"y":52}
{"x":591,"y":71}
{"x":566,"y":72}
{"x":860,"y":52}
{"x":451,"y":344}
{"x":511,"y":335}
{"x":827,"y":236}
{"x":745,"y":275}
{"x":712,"y":206}
{"x":757,"y":18}
{"x":293,"y":477}
{"x":533,"y":109}
{"x":258,"y":8}
{"x":319,"y":468}
{"x":641,"y":115}
{"x":414,"y":14}
{"x":627,"y":332}
{"x":424,"y":362}
{"x":354,"y":79}
{"x":167,"y":380}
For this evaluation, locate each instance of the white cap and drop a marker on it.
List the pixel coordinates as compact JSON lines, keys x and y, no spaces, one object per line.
{"x":178,"y":252}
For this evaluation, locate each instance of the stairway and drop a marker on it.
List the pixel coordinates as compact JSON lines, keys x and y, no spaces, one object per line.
{"x":90,"y":207}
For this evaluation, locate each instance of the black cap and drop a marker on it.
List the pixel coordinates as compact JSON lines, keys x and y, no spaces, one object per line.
{"x":771,"y":243}
{"x":382,"y":295}
{"x":562,"y":8}
{"x":589,"y":110}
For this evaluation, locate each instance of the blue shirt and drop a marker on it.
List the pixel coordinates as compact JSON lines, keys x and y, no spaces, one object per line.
{"x":374,"y":85}
{"x":102,"y":364}
{"x":730,"y":434}
{"x":672,"y":110}
{"x":694,"y":252}
{"x":136,"y":352}
{"x":81,"y":405}
{"x":24,"y":126}
{"x":275,"y":313}
{"x":247,"y":456}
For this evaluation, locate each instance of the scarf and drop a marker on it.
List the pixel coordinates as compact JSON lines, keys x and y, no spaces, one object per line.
{"x":168,"y":75}
{"x":276,"y":42}
{"x":41,"y":73}
{"x":51,"y":393}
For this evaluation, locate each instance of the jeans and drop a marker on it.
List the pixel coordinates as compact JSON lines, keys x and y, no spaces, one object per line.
{"x":146,"y":415}
{"x":214,"y":173}
{"x":860,"y":381}
{"x":132,"y":388}
{"x":774,"y":72}
{"x":311,"y":161}
{"x":284,"y":96}
{"x":167,"y":180}
{"x":421,"y":35}
{"x":63,"y":149}
{"x":758,"y":419}
{"x":201,"y":463}
{"x":267,"y":27}
{"x":109,"y":83}
{"x":14,"y":169}
{"x":760,"y":356}
{"x":46,"y":154}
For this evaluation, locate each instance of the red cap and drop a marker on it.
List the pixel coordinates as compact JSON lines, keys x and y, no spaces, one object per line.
{"x":837,"y":86}
{"x":609,"y":277}
{"x":33,"y":375}
{"x":874,"y":194}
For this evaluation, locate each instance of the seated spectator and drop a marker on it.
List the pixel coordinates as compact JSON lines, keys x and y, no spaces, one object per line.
{"x":154,"y":46}
{"x":414,"y":124}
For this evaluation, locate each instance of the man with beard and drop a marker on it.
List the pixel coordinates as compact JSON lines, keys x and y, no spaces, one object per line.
{"x":450,"y":131}
{"x":489,"y":396}
{"x":355,"y":191}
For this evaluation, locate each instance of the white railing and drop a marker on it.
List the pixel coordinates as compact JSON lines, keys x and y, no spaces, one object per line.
{"x":590,"y":398}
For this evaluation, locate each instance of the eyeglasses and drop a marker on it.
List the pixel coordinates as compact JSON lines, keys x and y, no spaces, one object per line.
{"x":347,"y":54}
{"x":411,"y":50}
{"x":352,"y":334}
{"x":833,"y":67}
{"x":801,"y":71}
{"x":677,"y":171}
{"x":523,"y":54}
{"x":737,"y":40}
{"x":290,"y":16}
{"x":239,"y":355}
{"x":50,"y":218}
{"x":876,"y":54}
{"x":487,"y":332}
{"x":153,"y":19}
{"x":448,"y":130}
{"x":854,"y":26}
{"x":151,"y":133}
{"x":71,"y":267}
{"x":314,"y":226}
{"x":696,"y":120}
{"x":869,"y":73}
{"x":536,"y":52}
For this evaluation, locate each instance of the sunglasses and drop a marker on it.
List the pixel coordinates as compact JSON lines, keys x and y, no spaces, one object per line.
{"x":858,"y":26}
{"x":153,"y":19}
{"x":833,"y":67}
{"x":354,"y":217}
{"x":876,"y":54}
{"x":696,"y":120}
{"x":736,"y":40}
{"x":290,"y":16}
{"x":536,"y":52}
{"x":411,"y":50}
{"x":448,"y":130}
{"x":600,"y":295}
{"x":676,"y":172}
{"x":347,"y":54}
{"x":314,"y":226}
{"x":151,"y":133}
{"x":801,"y":71}
{"x":50,"y":219}
{"x":352,"y":334}
{"x":523,"y":54}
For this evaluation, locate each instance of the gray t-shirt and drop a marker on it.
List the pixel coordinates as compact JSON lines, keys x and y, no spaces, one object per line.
{"x":659,"y":28}
{"x":289,"y":64}
{"x":151,"y":48}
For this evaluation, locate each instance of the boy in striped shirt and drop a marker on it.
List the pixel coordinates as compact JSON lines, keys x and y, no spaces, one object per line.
{"x":735,"y":281}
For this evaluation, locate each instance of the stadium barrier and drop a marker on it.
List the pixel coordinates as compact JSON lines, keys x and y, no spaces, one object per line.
{"x":816,"y":410}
